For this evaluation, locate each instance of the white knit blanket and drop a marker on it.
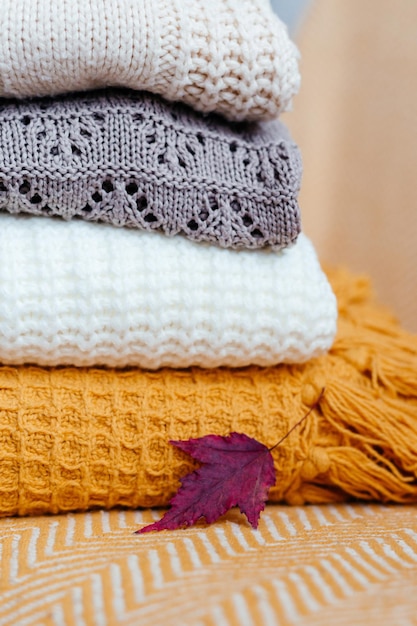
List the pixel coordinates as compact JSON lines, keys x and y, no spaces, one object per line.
{"x":92,"y":294}
{"x":229,"y":56}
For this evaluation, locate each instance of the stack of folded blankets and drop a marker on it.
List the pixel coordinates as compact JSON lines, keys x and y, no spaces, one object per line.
{"x":153,"y":277}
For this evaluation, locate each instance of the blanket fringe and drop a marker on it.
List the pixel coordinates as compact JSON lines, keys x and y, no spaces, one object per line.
{"x":366,"y":423}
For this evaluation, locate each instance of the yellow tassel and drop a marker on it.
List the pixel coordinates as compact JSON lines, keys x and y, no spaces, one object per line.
{"x":376,"y":454}
{"x":371,"y":339}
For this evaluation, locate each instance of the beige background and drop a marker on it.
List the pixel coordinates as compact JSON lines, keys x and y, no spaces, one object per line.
{"x":355,"y":120}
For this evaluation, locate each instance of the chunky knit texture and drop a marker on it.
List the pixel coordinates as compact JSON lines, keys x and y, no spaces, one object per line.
{"x":132,"y":159}
{"x":78,"y":438}
{"x":85,"y":294}
{"x":229,"y":56}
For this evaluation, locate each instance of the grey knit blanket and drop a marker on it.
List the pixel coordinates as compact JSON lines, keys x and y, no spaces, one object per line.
{"x":132,"y":159}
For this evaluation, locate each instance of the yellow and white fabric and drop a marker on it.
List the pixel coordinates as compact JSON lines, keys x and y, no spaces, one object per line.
{"x":345,"y":564}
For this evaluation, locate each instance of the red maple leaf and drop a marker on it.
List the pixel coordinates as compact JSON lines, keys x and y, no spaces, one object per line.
{"x":237,"y":471}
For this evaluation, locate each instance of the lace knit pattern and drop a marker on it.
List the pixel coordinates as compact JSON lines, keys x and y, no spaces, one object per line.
{"x":85,"y":294}
{"x":229,"y":56}
{"x":132,"y":159}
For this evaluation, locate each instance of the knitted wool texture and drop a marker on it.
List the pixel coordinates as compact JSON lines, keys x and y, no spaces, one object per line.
{"x":135,"y":160}
{"x":229,"y":56}
{"x":85,"y":294}
{"x":78,"y":438}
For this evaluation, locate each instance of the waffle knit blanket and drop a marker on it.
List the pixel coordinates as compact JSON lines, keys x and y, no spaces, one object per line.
{"x":85,"y":294}
{"x":229,"y":56}
{"x":132,"y":159}
{"x":78,"y":438}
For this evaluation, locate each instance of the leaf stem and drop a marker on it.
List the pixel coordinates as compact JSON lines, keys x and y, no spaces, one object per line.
{"x":315,"y":405}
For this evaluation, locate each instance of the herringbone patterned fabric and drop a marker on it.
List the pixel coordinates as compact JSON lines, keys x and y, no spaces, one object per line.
{"x":336,"y":564}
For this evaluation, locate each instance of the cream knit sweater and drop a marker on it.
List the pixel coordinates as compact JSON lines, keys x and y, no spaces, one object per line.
{"x":229,"y":56}
{"x":91,"y":294}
